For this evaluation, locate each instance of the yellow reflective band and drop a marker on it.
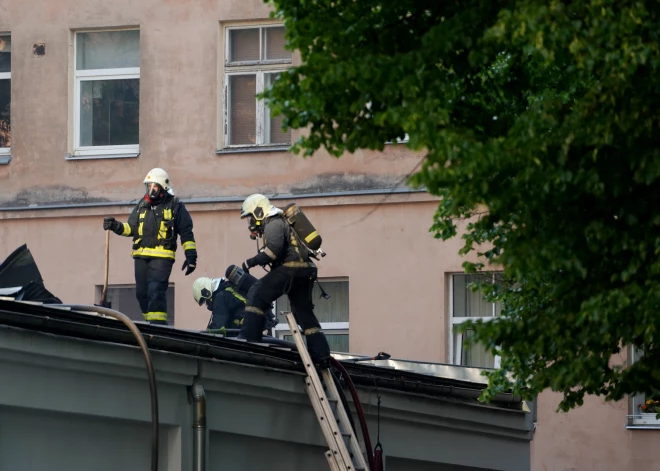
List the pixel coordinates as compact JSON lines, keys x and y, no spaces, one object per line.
{"x":143,"y":214}
{"x":235,"y":293}
{"x":270,"y":254}
{"x":155,"y":316}
{"x":312,"y":236}
{"x":127,"y":230}
{"x":313,"y":330}
{"x":162,"y":233}
{"x":167,"y":214}
{"x":256,"y":310}
{"x":156,"y":252}
{"x":190,"y":245}
{"x":140,"y":228}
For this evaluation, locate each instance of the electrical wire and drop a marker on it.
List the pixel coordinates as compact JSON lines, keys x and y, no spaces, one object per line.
{"x":150,"y":368}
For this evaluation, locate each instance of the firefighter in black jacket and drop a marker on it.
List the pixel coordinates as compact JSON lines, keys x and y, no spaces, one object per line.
{"x":225,"y":298}
{"x":154,"y":225}
{"x":292,"y":273}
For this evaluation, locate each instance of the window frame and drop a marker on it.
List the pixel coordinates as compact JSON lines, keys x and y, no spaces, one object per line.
{"x":329,"y":328}
{"x":636,"y":419}
{"x":90,"y":75}
{"x":4,"y":151}
{"x":452,"y":321}
{"x":258,"y":68}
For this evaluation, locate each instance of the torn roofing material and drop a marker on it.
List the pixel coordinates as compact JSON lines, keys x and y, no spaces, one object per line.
{"x":429,"y":379}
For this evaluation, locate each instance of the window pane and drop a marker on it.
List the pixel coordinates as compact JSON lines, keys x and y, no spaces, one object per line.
{"x":274,"y":125}
{"x":123,"y":300}
{"x":5,"y":53}
{"x":5,"y":113}
{"x":274,"y":41}
{"x":242,"y":109}
{"x":243,"y":45}
{"x":109,"y":112}
{"x":468,"y":303}
{"x":334,"y":309}
{"x":107,"y":50}
{"x":473,"y":355}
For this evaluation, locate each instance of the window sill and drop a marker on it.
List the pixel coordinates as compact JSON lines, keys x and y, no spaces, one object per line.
{"x":118,"y":155}
{"x":5,"y":159}
{"x":643,"y":422}
{"x":252,"y":149}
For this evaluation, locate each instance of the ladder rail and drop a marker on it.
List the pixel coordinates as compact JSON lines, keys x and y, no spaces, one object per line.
{"x":334,"y":436}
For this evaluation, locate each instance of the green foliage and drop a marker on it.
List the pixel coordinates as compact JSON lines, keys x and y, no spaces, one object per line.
{"x":540,"y":124}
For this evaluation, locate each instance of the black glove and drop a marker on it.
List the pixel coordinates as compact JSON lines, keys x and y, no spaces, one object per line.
{"x":111,"y":224}
{"x":189,"y":265}
{"x":246,"y":266}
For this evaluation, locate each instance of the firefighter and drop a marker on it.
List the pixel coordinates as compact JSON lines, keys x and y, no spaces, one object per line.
{"x":154,"y":225}
{"x":225,"y":298}
{"x":291,"y":273}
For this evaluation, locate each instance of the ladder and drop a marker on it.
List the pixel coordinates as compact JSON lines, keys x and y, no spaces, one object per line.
{"x":344,"y":453}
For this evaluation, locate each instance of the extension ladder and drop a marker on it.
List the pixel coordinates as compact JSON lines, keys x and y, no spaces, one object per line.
{"x":344,"y":453}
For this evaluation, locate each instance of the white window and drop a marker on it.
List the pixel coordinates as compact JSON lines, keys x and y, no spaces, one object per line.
{"x":643,"y":408}
{"x":468,"y":305}
{"x":254,"y":58}
{"x":5,"y":94}
{"x":107,"y":93}
{"x":122,"y":298}
{"x":332,"y":313}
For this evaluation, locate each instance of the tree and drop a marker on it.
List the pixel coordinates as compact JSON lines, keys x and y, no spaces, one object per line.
{"x":539,"y":121}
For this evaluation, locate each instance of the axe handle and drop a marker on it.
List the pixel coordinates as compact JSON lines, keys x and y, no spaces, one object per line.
{"x":107,"y":267}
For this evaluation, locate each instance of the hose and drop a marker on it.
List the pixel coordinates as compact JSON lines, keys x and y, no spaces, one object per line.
{"x":360,"y":412}
{"x":150,"y":369}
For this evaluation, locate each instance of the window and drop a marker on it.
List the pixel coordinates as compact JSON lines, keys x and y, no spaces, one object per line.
{"x":122,"y":299}
{"x":643,"y":408}
{"x":254,"y":58}
{"x":5,"y":94}
{"x":332,"y":313}
{"x":107,"y":93}
{"x":465,"y":305}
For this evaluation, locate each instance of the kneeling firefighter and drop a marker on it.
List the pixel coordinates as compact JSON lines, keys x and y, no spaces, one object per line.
{"x":292,"y":273}
{"x":225,"y":298}
{"x":154,"y":224}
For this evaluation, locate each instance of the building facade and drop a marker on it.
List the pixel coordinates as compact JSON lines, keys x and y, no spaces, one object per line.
{"x":93,"y":96}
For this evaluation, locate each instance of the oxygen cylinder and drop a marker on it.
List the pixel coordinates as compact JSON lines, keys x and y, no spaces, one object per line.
{"x":305,"y":230}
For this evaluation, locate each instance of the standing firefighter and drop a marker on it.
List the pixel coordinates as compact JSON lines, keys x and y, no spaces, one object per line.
{"x":292,"y":273}
{"x":225,"y":298}
{"x":154,"y":225}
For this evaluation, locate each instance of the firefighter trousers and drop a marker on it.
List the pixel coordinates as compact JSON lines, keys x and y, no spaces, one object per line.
{"x":151,"y":279}
{"x":297,"y":284}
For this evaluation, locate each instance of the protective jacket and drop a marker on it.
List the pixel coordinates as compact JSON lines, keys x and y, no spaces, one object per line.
{"x":155,"y":227}
{"x":281,"y":246}
{"x":227,"y":307}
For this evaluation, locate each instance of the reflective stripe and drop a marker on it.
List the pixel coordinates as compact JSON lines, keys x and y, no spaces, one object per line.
{"x":256,"y":310}
{"x":157,"y":252}
{"x":140,"y":228}
{"x":312,"y":236}
{"x":235,"y":293}
{"x":297,"y":264}
{"x":155,"y":316}
{"x":190,"y":245}
{"x":313,"y":330}
{"x":270,"y":254}
{"x":238,"y":321}
{"x":162,"y":232}
{"x":167,"y":214}
{"x":127,"y":230}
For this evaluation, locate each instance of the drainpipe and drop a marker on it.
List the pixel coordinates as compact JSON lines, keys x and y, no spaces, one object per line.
{"x":199,"y":427}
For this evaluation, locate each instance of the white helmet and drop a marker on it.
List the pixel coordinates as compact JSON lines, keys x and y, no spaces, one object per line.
{"x":159,"y":176}
{"x":257,"y":206}
{"x":203,"y":289}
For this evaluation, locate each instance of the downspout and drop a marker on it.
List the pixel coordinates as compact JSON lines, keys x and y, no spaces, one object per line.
{"x":199,"y":427}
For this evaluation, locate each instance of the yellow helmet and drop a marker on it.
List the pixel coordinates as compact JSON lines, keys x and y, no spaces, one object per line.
{"x":257,"y":206}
